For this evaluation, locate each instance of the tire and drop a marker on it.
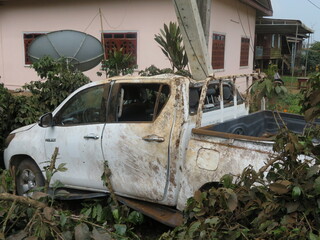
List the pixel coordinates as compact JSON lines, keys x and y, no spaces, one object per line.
{"x":28,"y":178}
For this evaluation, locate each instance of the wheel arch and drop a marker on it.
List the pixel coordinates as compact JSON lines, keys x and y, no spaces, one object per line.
{"x":27,"y":174}
{"x":17,"y":159}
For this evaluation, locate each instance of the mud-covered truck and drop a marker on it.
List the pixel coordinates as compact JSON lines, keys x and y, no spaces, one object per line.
{"x":162,"y":137}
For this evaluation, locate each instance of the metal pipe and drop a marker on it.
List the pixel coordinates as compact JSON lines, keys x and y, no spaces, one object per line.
{"x":307,"y":55}
{"x":294,"y":55}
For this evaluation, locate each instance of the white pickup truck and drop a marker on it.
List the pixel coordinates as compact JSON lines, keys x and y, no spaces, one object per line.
{"x":145,"y":129}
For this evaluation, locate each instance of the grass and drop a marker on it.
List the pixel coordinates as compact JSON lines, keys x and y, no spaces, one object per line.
{"x":289,"y":102}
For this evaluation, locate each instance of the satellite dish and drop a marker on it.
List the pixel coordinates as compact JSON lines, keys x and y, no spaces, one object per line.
{"x":80,"y":49}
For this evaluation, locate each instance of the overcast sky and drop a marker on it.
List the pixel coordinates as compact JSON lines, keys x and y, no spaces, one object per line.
{"x":307,"y":11}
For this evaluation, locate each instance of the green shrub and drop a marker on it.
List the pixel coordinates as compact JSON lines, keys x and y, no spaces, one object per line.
{"x":281,"y":203}
{"x":311,"y":101}
{"x":58,"y":81}
{"x":171,"y":44}
{"x":7,"y":110}
{"x":118,"y":63}
{"x":153,"y":70}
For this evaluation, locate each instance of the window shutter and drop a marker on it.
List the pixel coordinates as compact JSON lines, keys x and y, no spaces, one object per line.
{"x":218,"y":48}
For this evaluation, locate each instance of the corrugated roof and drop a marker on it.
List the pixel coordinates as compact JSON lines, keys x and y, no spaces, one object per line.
{"x":282,"y":26}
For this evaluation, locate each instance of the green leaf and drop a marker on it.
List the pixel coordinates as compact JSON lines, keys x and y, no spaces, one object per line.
{"x":312,"y":236}
{"x":87,"y":212}
{"x":296,"y":192}
{"x":317,"y":185}
{"x":212,"y":221}
{"x":232,"y":199}
{"x":116,"y":214}
{"x":94,"y":212}
{"x":62,"y":168}
{"x":63,"y":219}
{"x":135,"y":217}
{"x":226,"y":180}
{"x":284,"y":89}
{"x":99,"y":212}
{"x":193,"y":228}
{"x":82,"y":232}
{"x":100,"y":234}
{"x":121,"y":229}
{"x":292,"y":207}
{"x":278,"y":89}
{"x":312,"y":171}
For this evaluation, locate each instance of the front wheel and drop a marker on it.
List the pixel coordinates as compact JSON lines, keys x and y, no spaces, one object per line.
{"x":28,"y":178}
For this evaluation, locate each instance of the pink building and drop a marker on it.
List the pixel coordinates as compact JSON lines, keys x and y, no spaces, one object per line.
{"x":132,"y":22}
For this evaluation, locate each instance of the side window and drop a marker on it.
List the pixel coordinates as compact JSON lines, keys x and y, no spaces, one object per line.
{"x":141,"y":102}
{"x":88,"y":106}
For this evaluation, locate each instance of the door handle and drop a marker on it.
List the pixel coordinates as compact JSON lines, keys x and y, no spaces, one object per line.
{"x":153,"y":138}
{"x":91,"y":136}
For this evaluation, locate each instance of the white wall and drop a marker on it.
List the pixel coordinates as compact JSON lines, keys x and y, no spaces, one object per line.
{"x":145,"y":17}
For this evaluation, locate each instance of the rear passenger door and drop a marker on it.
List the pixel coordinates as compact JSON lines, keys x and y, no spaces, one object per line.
{"x":136,"y":138}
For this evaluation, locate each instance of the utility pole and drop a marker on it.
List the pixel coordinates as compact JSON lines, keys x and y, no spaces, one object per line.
{"x":204,"y":7}
{"x":190,"y":24}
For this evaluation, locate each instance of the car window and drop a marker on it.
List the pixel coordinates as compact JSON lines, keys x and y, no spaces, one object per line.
{"x":88,"y":106}
{"x":212,"y":98}
{"x":140,"y":102}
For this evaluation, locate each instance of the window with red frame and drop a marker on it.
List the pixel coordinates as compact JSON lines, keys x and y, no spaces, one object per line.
{"x":127,"y":41}
{"x":27,"y":39}
{"x":244,"y":54}
{"x":218,"y":48}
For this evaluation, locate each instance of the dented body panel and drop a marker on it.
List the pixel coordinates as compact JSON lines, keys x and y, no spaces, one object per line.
{"x":210,"y":157}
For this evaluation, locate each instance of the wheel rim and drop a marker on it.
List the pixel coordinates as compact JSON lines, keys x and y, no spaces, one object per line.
{"x":27,"y":182}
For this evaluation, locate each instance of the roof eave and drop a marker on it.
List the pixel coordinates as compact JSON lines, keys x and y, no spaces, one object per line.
{"x":262,"y":10}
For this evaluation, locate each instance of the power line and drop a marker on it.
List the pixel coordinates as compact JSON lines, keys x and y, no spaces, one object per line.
{"x":313,"y":4}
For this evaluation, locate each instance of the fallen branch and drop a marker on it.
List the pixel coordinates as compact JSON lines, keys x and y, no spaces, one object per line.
{"x":268,"y":164}
{"x":51,"y":169}
{"x":22,"y":200}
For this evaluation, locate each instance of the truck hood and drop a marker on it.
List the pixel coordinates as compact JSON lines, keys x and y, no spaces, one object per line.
{"x":24,"y":128}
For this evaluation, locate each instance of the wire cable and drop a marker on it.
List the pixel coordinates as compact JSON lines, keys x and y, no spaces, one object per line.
{"x":250,"y":33}
{"x":313,"y":4}
{"x":244,"y":31}
{"x":91,"y":22}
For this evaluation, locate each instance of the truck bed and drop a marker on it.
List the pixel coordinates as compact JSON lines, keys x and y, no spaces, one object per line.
{"x":262,"y":125}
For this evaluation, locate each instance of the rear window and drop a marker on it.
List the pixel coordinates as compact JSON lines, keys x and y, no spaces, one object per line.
{"x":212,"y":98}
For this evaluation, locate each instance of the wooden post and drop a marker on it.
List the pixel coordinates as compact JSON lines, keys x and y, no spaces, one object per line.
{"x":102,"y":36}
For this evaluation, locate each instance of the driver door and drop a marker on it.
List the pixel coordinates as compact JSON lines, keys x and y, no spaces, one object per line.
{"x":77,"y":132}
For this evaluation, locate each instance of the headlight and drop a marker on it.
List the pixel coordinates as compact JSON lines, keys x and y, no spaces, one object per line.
{"x":9,"y":139}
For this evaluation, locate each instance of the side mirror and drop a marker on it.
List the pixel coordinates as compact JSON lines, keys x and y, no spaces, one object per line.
{"x":46,"y":120}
